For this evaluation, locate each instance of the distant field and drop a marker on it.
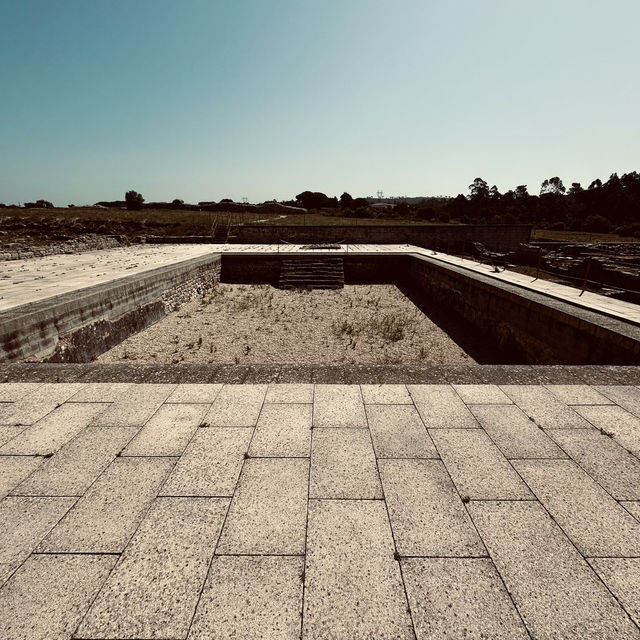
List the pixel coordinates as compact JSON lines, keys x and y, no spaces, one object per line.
{"x":39,"y":226}
{"x":579,"y":236}
{"x":42,"y":226}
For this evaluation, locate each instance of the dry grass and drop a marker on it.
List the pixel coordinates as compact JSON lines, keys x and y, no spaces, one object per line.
{"x":260,"y":324}
{"x":578,"y":236}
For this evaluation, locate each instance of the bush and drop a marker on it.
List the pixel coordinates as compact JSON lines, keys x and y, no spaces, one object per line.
{"x":133,"y":200}
{"x":632,"y":230}
{"x":38,"y":204}
{"x":599,"y":224}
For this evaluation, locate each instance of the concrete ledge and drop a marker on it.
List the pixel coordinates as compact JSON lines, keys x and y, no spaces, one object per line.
{"x":329,"y":374}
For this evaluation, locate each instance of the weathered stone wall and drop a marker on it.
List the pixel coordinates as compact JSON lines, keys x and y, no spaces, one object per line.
{"x":67,"y":327}
{"x":439,"y":237}
{"x":20,"y":251}
{"x":250,"y":269}
{"x":534,"y":328}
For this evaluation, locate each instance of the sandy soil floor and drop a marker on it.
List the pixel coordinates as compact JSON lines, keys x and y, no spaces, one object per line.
{"x":261,"y":324}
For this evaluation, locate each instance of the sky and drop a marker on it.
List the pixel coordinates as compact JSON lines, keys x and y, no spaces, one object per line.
{"x":212,"y":99}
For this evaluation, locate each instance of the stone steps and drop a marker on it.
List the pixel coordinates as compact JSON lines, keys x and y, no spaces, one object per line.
{"x":315,"y":272}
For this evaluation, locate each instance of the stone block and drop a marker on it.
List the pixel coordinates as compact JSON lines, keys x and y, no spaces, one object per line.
{"x":343,"y":465}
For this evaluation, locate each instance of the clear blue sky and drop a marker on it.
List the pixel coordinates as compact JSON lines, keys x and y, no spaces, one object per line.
{"x":205,"y":99}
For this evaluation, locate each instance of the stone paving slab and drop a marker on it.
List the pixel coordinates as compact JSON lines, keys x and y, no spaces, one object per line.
{"x":236,"y":406}
{"x":576,"y":394}
{"x":622,"y":576}
{"x":590,"y":517}
{"x":211,"y":464}
{"x":627,"y":397}
{"x":283,"y":431}
{"x":544,"y":407}
{"x":338,"y":406}
{"x":72,"y":470}
{"x":343,"y":465}
{"x":273,"y":587}
{"x":410,"y":531}
{"x":135,"y":406}
{"x":36,"y":405}
{"x":269,"y":508}
{"x":101,"y":392}
{"x":49,"y":434}
{"x":12,"y":392}
{"x":290,"y":393}
{"x":168,"y":432}
{"x":48,"y":596}
{"x":608,"y":463}
{"x":108,"y":514}
{"x":195,"y":393}
{"x":385,"y":394}
{"x":8,"y":433}
{"x":481,"y":394}
{"x":427,"y":515}
{"x":633,"y":508}
{"x":478,"y":469}
{"x":353,"y":586}
{"x":398,"y":432}
{"x":516,"y":435}
{"x":154,"y":589}
{"x":623,"y":426}
{"x":440,"y":407}
{"x":14,"y":469}
{"x":553,"y":587}
{"x":448,"y":595}
{"x":23,"y":523}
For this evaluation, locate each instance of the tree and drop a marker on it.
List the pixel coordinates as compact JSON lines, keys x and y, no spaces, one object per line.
{"x":315,"y":200}
{"x":346,"y":201}
{"x":521,"y":192}
{"x":575,"y":189}
{"x":479,"y":189}
{"x":178,"y":202}
{"x":494,"y":194}
{"x":360,"y":203}
{"x":552,"y":186}
{"x":133,"y":200}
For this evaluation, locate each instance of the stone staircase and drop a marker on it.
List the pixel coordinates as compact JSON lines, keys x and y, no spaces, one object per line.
{"x":222,"y":233}
{"x":313,"y":272}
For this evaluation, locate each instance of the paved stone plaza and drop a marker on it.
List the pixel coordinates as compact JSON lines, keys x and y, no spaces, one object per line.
{"x":324,"y":511}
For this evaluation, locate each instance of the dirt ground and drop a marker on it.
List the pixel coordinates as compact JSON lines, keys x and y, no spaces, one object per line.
{"x":258,"y":324}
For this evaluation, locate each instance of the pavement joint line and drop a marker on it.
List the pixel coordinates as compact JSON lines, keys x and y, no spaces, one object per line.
{"x":396,"y":555}
{"x":76,"y":553}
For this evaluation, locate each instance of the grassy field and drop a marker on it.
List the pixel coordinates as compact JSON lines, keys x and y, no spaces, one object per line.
{"x":579,"y":236}
{"x":42,"y":226}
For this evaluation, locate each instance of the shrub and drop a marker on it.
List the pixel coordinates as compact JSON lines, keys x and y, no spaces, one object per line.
{"x":599,"y":224}
{"x":632,"y":230}
{"x":133,"y":200}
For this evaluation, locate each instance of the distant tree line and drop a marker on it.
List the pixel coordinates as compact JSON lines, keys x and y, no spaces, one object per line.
{"x":602,"y":207}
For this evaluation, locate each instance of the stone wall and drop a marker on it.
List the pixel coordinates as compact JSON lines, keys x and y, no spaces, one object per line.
{"x":76,"y":327}
{"x":20,"y":251}
{"x":440,"y":237}
{"x":531,"y":327}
